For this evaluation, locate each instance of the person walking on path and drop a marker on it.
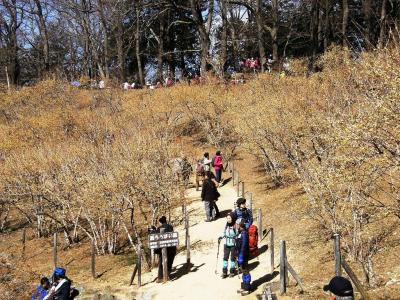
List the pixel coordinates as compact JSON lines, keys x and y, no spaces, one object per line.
{"x":242,"y":212}
{"x":230,"y":234}
{"x":242,"y":248}
{"x":42,"y":289}
{"x":210,"y":194}
{"x":217,"y":164}
{"x":171,"y":251}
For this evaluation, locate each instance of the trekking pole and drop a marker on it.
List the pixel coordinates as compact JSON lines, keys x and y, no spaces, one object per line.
{"x":216,"y":263}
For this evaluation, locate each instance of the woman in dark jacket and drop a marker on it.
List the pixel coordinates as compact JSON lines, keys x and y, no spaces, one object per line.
{"x":209,"y":194}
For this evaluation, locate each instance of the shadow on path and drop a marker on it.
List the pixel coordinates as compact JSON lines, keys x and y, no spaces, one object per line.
{"x":183,"y":269}
{"x":256,"y":283}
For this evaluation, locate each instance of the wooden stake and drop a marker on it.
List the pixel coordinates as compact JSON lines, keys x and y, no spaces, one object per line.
{"x":338,"y":268}
{"x":139,"y":263}
{"x":355,"y":280}
{"x":295,"y":275}
{"x":55,"y":250}
{"x":242,"y":193}
{"x":8,"y":80}
{"x":282,"y":266}
{"x":271,"y":241}
{"x":93,"y":264}
{"x":23,"y":242}
{"x":164,"y":260}
{"x":259,"y":220}
{"x":187,"y":241}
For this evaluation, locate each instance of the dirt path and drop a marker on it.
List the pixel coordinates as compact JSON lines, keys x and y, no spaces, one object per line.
{"x":201,"y":282}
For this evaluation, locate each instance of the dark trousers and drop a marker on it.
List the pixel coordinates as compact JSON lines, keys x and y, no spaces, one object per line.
{"x":218,"y":175}
{"x":171,"y":252}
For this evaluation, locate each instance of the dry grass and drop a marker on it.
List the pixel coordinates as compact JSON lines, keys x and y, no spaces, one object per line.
{"x":320,"y":153}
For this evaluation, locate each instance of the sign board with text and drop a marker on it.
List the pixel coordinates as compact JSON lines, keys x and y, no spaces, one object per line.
{"x":161,"y":240}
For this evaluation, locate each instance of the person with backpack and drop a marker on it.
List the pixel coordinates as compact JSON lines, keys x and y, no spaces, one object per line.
{"x":230,"y":234}
{"x":42,"y":289}
{"x":218,"y":166}
{"x":200,"y":172}
{"x":242,"y":248}
{"x":171,"y":251}
{"x":210,"y":194}
{"x":242,"y":212}
{"x":61,"y":289}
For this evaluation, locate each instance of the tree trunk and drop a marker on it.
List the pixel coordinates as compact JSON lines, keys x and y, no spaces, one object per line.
{"x":137,"y":44}
{"x":327,"y":29}
{"x":43,"y":35}
{"x":274,"y":29}
{"x":224,"y":34}
{"x":120,"y":51}
{"x":367,"y":9}
{"x":314,"y":28}
{"x":104,"y":27}
{"x":160,"y":48}
{"x":345,"y":21}
{"x":382,"y":25}
{"x":260,"y":35}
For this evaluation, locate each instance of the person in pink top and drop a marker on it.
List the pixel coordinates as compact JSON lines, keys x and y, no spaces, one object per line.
{"x":217,"y":164}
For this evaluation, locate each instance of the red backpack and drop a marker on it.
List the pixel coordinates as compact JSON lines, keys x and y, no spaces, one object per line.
{"x":253,"y":241}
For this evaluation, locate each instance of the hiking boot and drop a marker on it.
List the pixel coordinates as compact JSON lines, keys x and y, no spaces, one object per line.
{"x":159,"y":280}
{"x":207,"y":220}
{"x":224,"y":273}
{"x":232,"y":273}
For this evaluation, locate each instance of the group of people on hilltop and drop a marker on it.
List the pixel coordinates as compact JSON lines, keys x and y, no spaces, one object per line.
{"x":58,"y":288}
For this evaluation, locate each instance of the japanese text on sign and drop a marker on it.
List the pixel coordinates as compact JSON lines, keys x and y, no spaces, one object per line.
{"x":161,"y":240}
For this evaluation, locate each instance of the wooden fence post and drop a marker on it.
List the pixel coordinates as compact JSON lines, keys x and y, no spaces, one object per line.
{"x":272,"y":250}
{"x":139,"y":263}
{"x":242,"y":194}
{"x":23,"y":242}
{"x":93,"y":265}
{"x":282,"y":267}
{"x":55,"y":250}
{"x":164,"y":260}
{"x":233,"y":176}
{"x":187,"y":240}
{"x":8,"y":80}
{"x":355,"y":280}
{"x":238,"y":189}
{"x":152,"y":258}
{"x":259,"y":220}
{"x":251,"y":201}
{"x":338,"y":257}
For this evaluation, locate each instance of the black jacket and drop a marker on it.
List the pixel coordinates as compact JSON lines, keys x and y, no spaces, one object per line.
{"x":209,"y":191}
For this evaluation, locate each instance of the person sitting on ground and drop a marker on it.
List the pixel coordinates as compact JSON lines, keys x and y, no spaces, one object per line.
{"x":230,"y":235}
{"x":42,"y":289}
{"x":218,"y":166}
{"x":61,"y":288}
{"x":340,"y":289}
{"x":242,"y":248}
{"x":171,"y":251}
{"x":242,"y":212}
{"x":210,"y":194}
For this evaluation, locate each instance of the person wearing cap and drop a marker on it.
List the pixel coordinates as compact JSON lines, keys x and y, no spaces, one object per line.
{"x":242,"y":212}
{"x":61,"y":288}
{"x":171,"y":251}
{"x":340,"y":288}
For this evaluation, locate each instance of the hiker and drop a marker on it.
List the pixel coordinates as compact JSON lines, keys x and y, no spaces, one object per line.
{"x":242,"y":248}
{"x":217,"y":164}
{"x":42,"y":289}
{"x":340,"y":289}
{"x":242,"y":212}
{"x":210,"y":194}
{"x":200,"y":172}
{"x":171,"y":251}
{"x":230,"y":234}
{"x":61,"y":288}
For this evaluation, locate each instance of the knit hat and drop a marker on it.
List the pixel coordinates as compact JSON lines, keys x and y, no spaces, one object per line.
{"x":162,"y":220}
{"x":339,"y":286}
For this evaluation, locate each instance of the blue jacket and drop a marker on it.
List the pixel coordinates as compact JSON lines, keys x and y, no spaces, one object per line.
{"x":40,"y":293}
{"x":242,"y":244}
{"x":245,"y":214}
